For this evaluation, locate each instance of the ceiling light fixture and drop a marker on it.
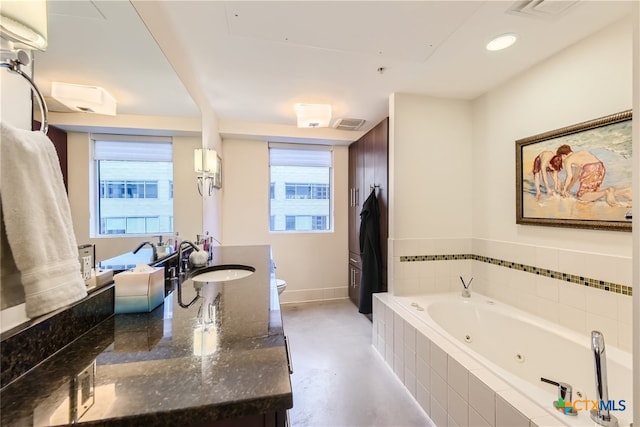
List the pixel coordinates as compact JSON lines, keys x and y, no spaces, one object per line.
{"x":24,"y":23}
{"x":87,"y":99}
{"x":502,"y":42}
{"x":313,"y":115}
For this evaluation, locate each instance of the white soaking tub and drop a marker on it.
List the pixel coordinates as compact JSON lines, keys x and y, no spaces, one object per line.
{"x":519,"y":349}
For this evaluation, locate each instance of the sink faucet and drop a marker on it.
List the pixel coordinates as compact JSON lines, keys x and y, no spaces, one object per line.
{"x":601,"y":415}
{"x":181,"y":272}
{"x":153,"y":246}
{"x":180,"y":250}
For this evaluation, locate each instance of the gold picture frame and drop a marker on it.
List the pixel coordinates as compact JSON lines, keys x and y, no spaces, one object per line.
{"x":578,"y":176}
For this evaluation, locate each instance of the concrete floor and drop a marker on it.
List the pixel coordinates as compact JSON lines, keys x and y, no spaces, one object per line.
{"x":338,"y":377}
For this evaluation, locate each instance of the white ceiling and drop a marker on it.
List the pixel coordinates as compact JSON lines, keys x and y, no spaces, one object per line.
{"x":251,"y":61}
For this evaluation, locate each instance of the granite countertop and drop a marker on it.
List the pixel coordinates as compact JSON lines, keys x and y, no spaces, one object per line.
{"x":222,"y":357}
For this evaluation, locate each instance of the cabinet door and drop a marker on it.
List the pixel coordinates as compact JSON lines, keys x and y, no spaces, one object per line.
{"x":379,"y":152}
{"x":369,"y":176}
{"x":354,"y":212}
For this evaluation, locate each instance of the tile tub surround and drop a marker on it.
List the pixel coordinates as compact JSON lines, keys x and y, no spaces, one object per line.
{"x":566,"y":277}
{"x":165,"y":368}
{"x":450,"y":385}
{"x":582,"y":291}
{"x":25,"y":346}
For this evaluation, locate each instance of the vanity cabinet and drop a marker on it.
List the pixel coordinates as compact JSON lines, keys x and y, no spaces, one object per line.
{"x":368,"y":170}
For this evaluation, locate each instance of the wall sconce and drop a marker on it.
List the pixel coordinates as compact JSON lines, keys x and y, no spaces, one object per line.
{"x":205,"y":163}
{"x":86,"y":99}
{"x":313,"y":115}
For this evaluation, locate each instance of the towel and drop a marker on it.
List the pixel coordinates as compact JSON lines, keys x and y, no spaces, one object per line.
{"x":37,"y":220}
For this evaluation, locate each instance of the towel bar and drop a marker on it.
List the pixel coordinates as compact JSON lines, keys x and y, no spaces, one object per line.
{"x":14,"y":66}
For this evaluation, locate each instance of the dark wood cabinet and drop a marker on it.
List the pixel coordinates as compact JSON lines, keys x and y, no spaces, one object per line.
{"x":354,"y":278}
{"x":59,"y":139}
{"x":368,"y":170}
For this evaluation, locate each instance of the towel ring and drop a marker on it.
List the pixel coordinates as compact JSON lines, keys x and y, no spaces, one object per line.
{"x":14,"y":66}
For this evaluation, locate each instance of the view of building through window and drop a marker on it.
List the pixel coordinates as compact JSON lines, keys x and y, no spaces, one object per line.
{"x":135,"y":187}
{"x":300,"y":198}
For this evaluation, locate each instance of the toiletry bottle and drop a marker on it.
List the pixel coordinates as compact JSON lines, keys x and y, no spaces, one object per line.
{"x":176,"y":241}
{"x":209,"y":248}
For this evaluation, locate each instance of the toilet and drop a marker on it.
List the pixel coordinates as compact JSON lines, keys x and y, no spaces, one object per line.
{"x":281,"y":285}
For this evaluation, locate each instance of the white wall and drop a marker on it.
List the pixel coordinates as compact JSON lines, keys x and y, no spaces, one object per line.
{"x":314,"y":265}
{"x":212,"y":205}
{"x":430,"y":146}
{"x":430,"y":179}
{"x":590,"y":79}
{"x":187,"y":202}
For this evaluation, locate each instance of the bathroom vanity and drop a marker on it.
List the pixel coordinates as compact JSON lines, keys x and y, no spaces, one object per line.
{"x":213,"y":354}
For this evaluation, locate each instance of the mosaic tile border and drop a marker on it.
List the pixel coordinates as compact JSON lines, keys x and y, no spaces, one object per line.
{"x":571,"y":278}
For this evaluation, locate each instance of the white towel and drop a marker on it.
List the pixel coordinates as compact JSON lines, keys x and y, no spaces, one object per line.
{"x":37,"y":219}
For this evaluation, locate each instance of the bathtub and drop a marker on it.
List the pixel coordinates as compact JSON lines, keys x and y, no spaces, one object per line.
{"x":519,"y":349}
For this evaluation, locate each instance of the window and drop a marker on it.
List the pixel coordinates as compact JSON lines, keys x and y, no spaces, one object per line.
{"x":300,"y":190}
{"x":306,"y":191}
{"x":134,"y":179}
{"x":306,"y":222}
{"x":130,"y":189}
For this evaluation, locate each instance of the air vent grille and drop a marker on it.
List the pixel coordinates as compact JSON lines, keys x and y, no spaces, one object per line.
{"x":546,"y":9}
{"x":349,"y":124}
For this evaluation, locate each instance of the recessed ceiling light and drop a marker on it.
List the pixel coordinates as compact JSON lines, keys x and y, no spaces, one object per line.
{"x":502,"y":42}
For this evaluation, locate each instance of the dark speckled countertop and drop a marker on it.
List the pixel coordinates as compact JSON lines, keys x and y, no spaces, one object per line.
{"x":223,"y":357}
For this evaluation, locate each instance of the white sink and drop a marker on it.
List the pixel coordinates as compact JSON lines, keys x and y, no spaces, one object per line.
{"x":222,"y":273}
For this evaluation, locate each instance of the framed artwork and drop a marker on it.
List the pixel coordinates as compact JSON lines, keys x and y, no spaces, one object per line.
{"x":578,"y":176}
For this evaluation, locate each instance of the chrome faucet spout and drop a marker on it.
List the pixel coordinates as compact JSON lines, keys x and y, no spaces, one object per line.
{"x":601,"y":415}
{"x":180,"y":251}
{"x":181,"y":272}
{"x":466,"y":293}
{"x":153,"y":247}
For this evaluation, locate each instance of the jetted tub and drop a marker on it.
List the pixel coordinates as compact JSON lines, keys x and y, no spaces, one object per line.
{"x":521,"y":348}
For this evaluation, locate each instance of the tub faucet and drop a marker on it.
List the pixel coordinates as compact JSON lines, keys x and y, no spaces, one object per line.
{"x":466,"y":293}
{"x":601,"y":415}
{"x":153,"y":246}
{"x":565,"y":395}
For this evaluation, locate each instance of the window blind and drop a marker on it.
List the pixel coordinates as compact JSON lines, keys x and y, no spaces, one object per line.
{"x":132,"y":148}
{"x":299,"y":155}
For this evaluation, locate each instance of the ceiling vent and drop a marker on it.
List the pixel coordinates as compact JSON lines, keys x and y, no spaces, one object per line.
{"x":349,"y":124}
{"x":546,"y":9}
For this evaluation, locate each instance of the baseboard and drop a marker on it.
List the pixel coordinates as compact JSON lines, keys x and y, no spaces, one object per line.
{"x":290,"y":296}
